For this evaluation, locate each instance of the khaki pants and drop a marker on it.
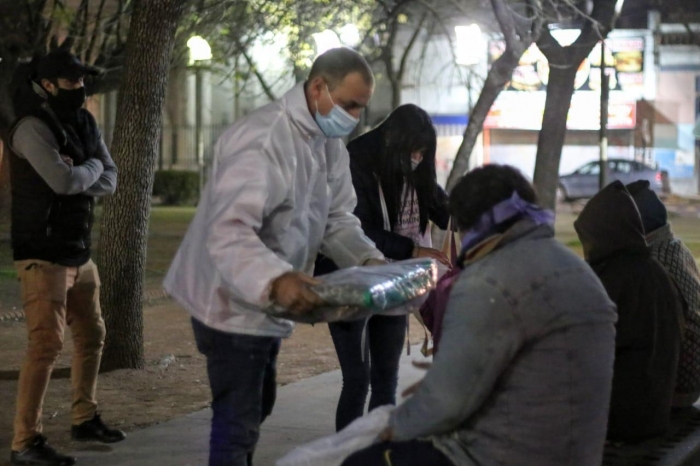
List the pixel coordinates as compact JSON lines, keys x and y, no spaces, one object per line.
{"x":53,"y":295}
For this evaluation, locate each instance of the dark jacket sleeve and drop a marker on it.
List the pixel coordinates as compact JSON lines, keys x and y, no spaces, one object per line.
{"x":368,"y":210}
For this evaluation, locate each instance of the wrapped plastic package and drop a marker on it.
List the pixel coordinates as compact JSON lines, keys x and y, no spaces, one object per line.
{"x":360,"y":292}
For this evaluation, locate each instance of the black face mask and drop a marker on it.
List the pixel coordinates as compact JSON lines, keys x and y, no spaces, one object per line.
{"x":68,"y":100}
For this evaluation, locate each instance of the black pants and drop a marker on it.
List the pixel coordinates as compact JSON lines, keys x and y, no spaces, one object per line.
{"x":242,"y":374}
{"x":379,"y":367}
{"x":411,"y":453}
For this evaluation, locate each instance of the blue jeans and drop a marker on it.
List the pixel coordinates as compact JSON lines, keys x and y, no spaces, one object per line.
{"x":410,"y":453}
{"x":385,"y":337}
{"x":242,"y":373}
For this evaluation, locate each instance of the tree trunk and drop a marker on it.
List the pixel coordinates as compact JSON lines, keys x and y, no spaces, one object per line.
{"x":498,"y":76}
{"x":7,"y":68}
{"x":551,"y":141}
{"x":563,"y":63}
{"x":136,"y":138}
{"x":395,"y":93}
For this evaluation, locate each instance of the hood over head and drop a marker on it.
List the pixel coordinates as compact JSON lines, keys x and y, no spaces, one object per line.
{"x":652,"y":210}
{"x":610,"y":223}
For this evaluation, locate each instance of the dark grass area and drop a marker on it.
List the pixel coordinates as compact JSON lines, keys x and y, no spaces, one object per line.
{"x":687,"y":228}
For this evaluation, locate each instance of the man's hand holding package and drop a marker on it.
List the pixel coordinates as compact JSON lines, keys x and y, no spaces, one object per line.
{"x":291,"y":291}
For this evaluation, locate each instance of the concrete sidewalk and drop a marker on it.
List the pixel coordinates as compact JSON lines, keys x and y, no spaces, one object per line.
{"x":304,"y":411}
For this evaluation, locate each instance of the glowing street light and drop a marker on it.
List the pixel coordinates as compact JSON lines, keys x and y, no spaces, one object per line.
{"x":199,"y":49}
{"x":468,"y":44}
{"x":350,"y":35}
{"x":325,"y":41}
{"x":565,"y":37}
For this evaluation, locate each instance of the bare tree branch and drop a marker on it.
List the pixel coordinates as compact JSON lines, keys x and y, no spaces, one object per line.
{"x":95,"y":32}
{"x":75,"y":23}
{"x":261,"y":79}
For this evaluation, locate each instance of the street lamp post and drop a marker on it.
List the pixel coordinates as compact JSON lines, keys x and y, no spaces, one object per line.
{"x":604,"y":100}
{"x":198,"y":136}
{"x":604,"y":105}
{"x":468,"y":53}
{"x":199,"y":51}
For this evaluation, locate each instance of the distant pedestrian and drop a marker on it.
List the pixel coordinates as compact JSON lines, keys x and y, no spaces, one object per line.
{"x":681,"y":266}
{"x":647,"y":343}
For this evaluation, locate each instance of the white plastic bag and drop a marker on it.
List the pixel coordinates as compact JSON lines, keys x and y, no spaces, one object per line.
{"x":334,"y":449}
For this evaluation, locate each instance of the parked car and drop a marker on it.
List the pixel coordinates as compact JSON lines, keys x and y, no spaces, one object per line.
{"x":583,"y":182}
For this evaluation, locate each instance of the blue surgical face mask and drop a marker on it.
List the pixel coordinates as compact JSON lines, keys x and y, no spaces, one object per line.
{"x":338,"y":123}
{"x":414,"y":164}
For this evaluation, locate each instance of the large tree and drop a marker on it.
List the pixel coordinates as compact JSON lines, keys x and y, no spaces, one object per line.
{"x":136,"y":137}
{"x":564,"y":62}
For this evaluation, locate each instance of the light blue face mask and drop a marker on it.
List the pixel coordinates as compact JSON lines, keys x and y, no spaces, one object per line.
{"x":338,"y":123}
{"x":414,"y":164}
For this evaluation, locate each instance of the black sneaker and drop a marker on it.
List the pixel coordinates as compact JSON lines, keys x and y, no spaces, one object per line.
{"x":95,"y":429}
{"x":41,"y":454}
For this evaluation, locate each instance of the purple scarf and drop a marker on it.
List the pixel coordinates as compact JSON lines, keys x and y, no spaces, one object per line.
{"x":501,"y":213}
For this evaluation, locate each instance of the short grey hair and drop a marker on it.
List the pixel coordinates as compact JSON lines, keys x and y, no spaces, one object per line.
{"x":335,"y":64}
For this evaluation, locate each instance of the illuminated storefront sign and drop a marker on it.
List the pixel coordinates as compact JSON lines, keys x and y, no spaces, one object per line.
{"x":524,"y":110}
{"x":521,"y":104}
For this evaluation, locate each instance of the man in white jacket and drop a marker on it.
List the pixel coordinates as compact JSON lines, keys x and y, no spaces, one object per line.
{"x":280,"y":191}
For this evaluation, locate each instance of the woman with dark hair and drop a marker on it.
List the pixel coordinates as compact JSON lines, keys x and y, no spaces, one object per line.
{"x":524,"y":371}
{"x":393,"y":172}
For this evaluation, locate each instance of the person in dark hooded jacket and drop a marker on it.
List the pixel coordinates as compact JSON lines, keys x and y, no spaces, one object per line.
{"x":393,"y":173}
{"x":647,"y":343}
{"x":680,"y":264}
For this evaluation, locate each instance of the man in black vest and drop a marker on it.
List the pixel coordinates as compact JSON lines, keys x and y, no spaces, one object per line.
{"x":58,"y":165}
